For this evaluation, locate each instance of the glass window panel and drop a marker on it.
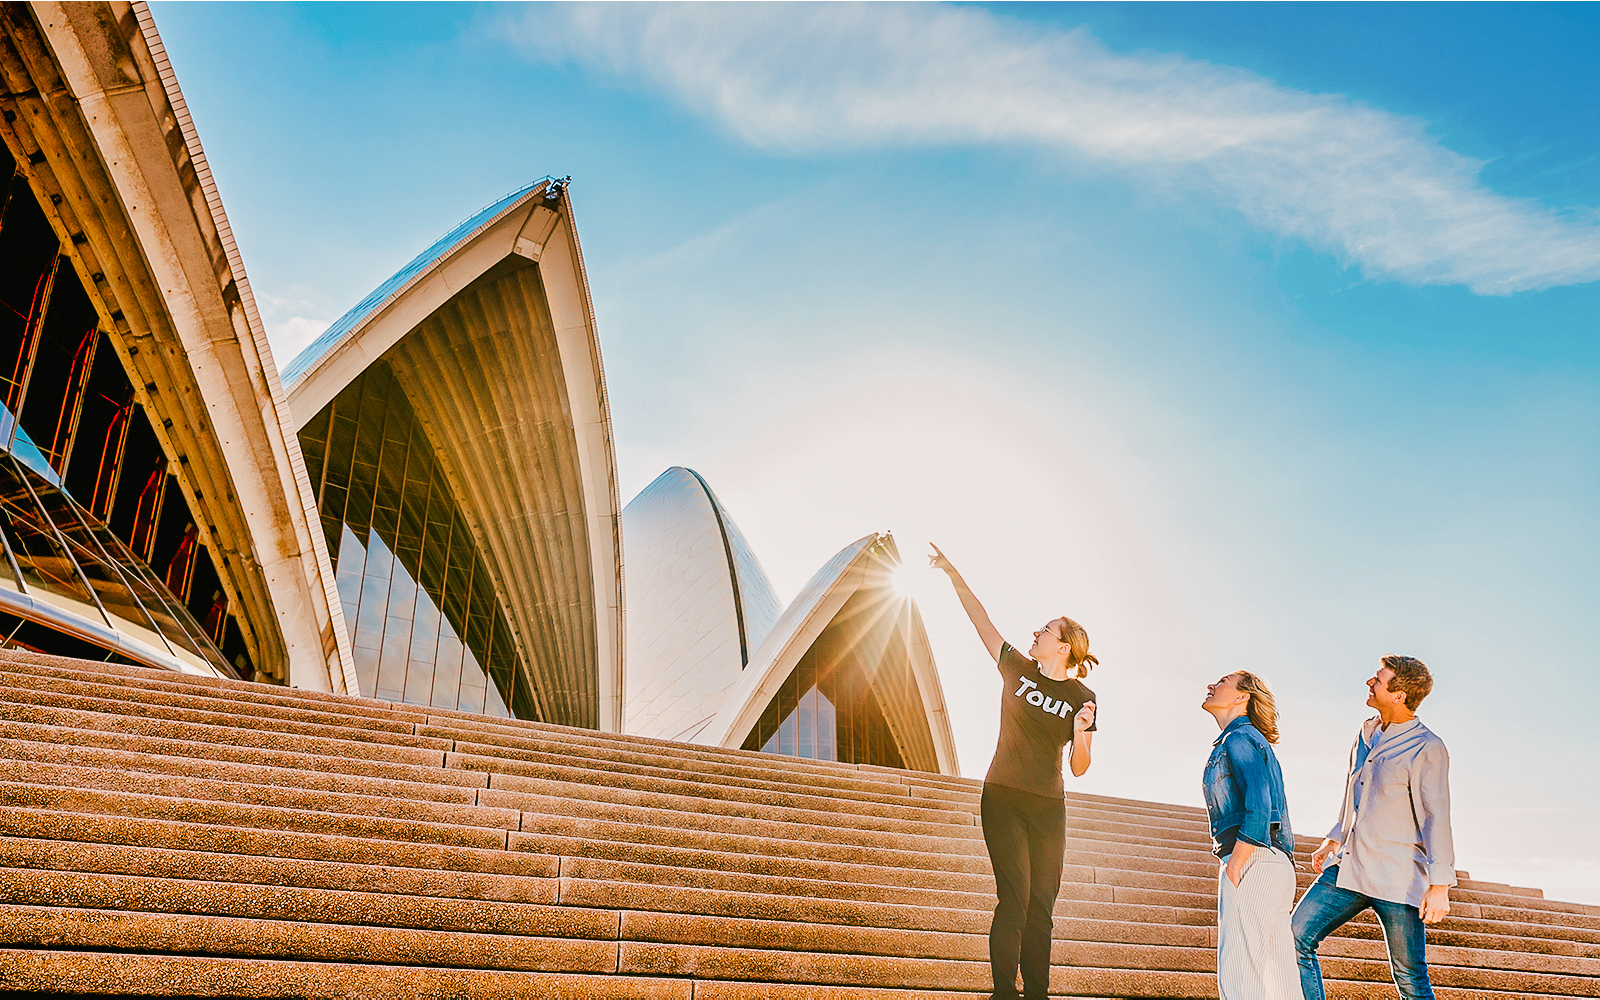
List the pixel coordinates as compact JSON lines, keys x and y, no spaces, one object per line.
{"x":450,"y":656}
{"x":334,"y":498}
{"x":341,"y":448}
{"x":446,"y":690}
{"x":176,"y":623}
{"x":786,"y":734}
{"x":368,"y":632}
{"x":424,"y":650}
{"x":827,"y":745}
{"x":358,"y":508}
{"x":805,"y":725}
{"x":385,"y":512}
{"x":8,"y":572}
{"x":351,"y":566}
{"x":402,"y":594}
{"x":409,"y":532}
{"x":392,"y":664}
{"x":125,"y":587}
{"x":61,"y":368}
{"x":366,"y":658}
{"x":392,"y":668}
{"x":380,"y":561}
{"x":477,"y":633}
{"x":473,"y":681}
{"x":440,"y":627}
{"x":114,"y":592}
{"x":839,"y":708}
{"x":44,"y":563}
{"x":424,"y":628}
{"x":419,"y":683}
{"x":493,"y":704}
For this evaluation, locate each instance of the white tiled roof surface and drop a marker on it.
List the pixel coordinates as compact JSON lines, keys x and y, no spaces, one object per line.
{"x":683,"y":640}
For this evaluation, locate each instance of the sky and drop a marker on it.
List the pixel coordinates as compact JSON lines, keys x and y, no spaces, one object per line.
{"x":1250,"y":336}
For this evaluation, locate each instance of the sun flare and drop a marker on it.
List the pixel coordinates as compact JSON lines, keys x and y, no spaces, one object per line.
{"x":905,"y":581}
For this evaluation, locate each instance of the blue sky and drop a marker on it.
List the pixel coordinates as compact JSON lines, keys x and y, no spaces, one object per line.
{"x":1248,"y":335}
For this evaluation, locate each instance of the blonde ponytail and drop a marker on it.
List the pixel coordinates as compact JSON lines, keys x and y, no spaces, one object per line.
{"x":1079,"y":659}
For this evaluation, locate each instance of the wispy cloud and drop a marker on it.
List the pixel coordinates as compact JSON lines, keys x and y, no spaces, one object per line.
{"x":289,"y":328}
{"x":1370,"y":186}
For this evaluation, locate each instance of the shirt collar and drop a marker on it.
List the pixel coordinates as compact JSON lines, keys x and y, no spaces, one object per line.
{"x":1243,"y":720}
{"x":1396,"y":729}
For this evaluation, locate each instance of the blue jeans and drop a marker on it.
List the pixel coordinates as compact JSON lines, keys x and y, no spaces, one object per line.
{"x":1325,"y":907}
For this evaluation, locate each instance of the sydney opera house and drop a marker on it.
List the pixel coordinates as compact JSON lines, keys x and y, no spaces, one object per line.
{"x":420,"y":508}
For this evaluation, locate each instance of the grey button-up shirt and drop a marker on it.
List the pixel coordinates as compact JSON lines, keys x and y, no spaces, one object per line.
{"x":1394,"y":825}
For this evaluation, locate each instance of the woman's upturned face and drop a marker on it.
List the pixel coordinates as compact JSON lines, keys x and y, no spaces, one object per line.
{"x":1047,"y":640}
{"x":1223,"y":694}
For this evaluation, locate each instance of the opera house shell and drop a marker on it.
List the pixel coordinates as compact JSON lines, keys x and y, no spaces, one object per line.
{"x":154,"y":503}
{"x":844,"y":673}
{"x":458,"y":442}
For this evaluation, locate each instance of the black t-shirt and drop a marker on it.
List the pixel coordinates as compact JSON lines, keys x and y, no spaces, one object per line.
{"x":1035,"y":724}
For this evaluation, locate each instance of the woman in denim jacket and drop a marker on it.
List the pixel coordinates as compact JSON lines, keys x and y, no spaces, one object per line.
{"x":1250,"y":833}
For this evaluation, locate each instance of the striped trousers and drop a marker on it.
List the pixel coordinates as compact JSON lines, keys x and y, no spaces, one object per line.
{"x":1255,"y":946}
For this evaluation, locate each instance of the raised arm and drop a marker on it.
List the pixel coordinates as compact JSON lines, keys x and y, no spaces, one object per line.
{"x":980,"y":618}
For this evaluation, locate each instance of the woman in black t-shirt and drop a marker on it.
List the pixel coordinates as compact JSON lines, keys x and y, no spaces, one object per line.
{"x":1044,"y":708}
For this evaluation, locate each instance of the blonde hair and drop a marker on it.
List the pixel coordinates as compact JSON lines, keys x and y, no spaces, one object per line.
{"x":1263,"y":708}
{"x":1079,"y":659}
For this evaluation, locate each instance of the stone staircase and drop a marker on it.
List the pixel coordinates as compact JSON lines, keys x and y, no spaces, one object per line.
{"x":165,"y":835}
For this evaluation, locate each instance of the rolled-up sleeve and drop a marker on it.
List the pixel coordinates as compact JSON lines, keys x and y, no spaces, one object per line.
{"x":1430,"y":802}
{"x":1255,"y":791}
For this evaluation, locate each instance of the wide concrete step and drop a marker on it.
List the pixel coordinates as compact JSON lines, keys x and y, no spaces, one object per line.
{"x":534,"y":882}
{"x":441,"y":785}
{"x":1486,"y":955}
{"x":621,"y":836}
{"x":316,"y":724}
{"x":218,"y":733}
{"x":81,"y":744}
{"x":225,"y":813}
{"x":91,"y":831}
{"x":124,"y":974}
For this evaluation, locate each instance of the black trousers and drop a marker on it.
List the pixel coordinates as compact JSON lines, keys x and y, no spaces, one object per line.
{"x":1026,"y":835}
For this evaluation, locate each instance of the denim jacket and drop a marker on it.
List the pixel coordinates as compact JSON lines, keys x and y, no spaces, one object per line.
{"x":1244,"y":789}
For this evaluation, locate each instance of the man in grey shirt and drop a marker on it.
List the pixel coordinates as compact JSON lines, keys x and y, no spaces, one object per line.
{"x":1391,"y":847}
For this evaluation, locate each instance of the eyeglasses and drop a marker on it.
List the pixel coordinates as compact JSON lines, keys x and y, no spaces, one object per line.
{"x":1046,"y":631}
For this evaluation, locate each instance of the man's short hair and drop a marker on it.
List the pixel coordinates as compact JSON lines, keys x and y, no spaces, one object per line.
{"x":1411,"y":676}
